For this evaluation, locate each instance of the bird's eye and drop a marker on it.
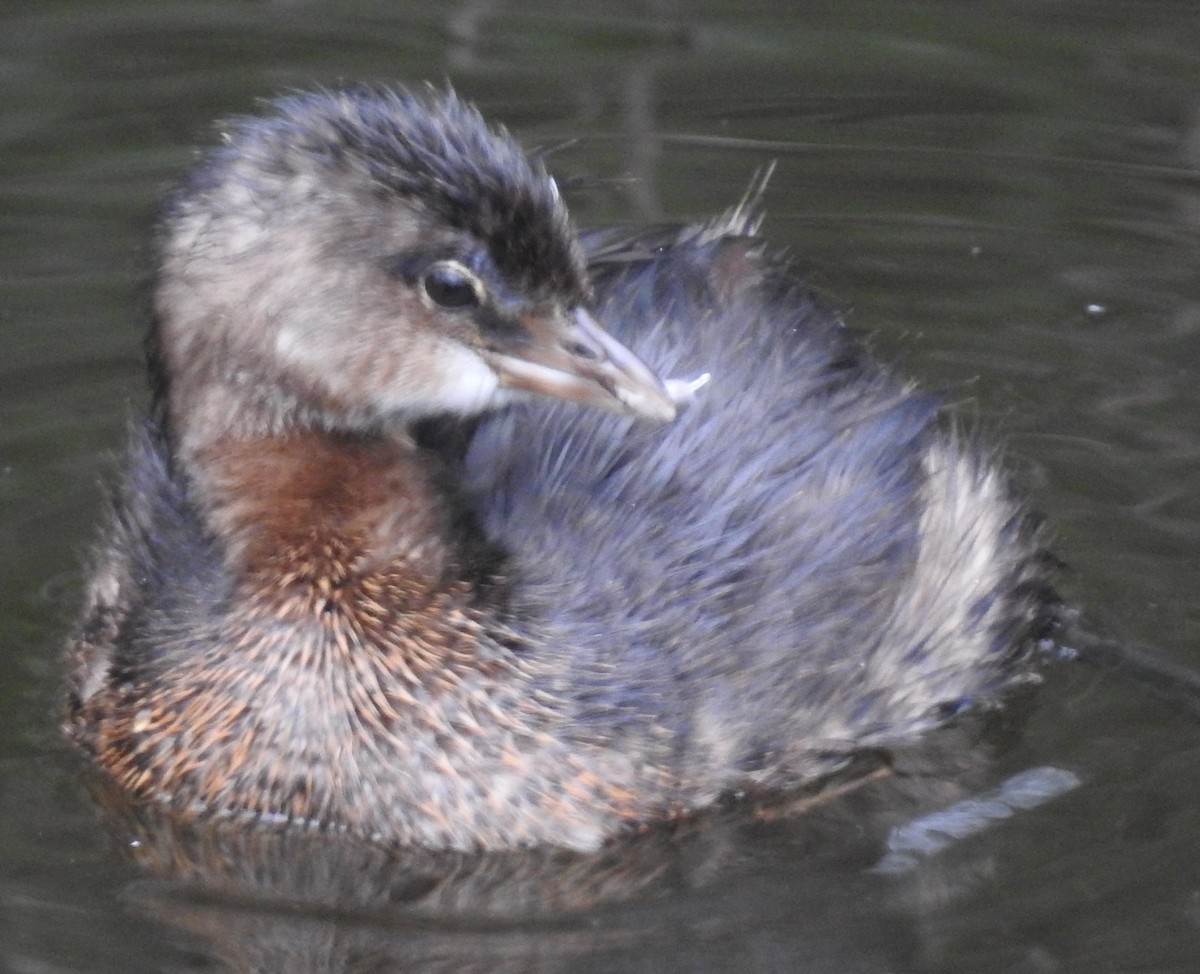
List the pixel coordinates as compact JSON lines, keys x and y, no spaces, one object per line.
{"x":450,"y":285}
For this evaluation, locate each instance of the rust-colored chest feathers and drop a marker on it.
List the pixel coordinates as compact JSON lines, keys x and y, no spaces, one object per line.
{"x":349,"y":645}
{"x":351,"y":531}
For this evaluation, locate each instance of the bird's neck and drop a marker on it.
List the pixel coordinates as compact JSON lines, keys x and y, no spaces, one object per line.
{"x":316,"y":507}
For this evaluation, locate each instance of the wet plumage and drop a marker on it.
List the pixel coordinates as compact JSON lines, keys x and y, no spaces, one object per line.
{"x":354,"y":579}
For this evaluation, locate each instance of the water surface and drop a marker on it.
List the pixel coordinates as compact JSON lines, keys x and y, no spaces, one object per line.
{"x":1004,"y":196}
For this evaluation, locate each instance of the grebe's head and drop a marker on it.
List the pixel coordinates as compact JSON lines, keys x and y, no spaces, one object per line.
{"x":362,"y":258}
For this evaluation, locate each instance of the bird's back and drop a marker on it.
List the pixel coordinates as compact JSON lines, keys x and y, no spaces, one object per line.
{"x":805,"y":563}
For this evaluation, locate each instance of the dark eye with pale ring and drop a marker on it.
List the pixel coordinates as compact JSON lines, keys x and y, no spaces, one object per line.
{"x":450,"y":285}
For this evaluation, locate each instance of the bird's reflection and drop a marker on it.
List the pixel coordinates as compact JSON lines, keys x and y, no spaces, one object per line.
{"x":249,"y":897}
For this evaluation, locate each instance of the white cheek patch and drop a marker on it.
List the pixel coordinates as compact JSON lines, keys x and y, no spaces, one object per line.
{"x":465,"y":382}
{"x":446,"y":378}
{"x":291,"y":345}
{"x":454,"y":380}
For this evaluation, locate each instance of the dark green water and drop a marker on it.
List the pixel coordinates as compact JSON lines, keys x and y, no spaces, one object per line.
{"x":1006,"y":196}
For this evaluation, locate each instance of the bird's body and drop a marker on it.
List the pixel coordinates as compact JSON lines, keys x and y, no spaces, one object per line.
{"x":342,"y":586}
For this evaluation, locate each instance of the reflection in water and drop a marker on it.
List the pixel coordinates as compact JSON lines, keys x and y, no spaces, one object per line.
{"x":272,"y":899}
{"x":255,"y":898}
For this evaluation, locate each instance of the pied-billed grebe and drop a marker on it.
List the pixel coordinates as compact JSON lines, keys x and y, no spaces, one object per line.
{"x":350,"y":582}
